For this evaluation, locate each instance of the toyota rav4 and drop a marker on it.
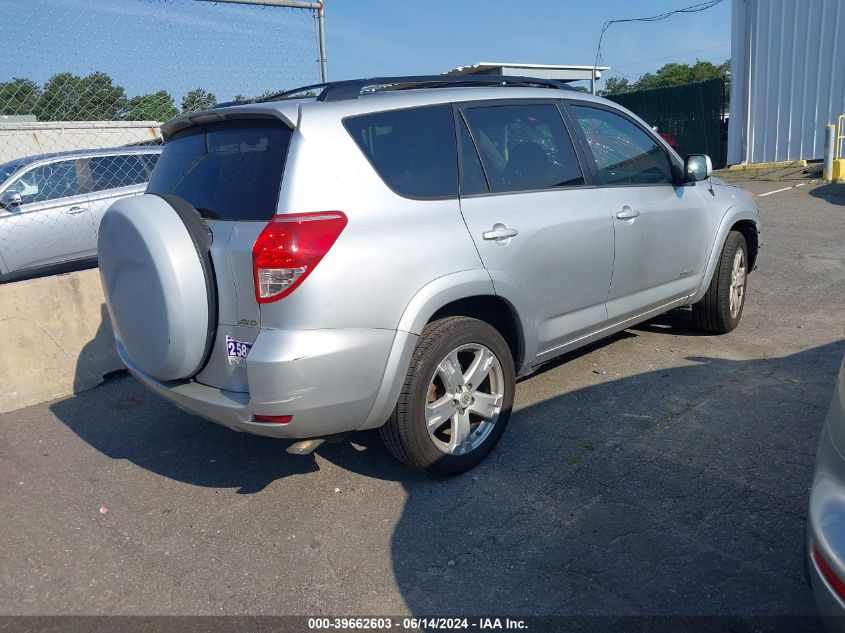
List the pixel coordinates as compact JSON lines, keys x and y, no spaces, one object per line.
{"x":394,"y":253}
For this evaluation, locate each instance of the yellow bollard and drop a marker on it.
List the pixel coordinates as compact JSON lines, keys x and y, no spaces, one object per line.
{"x":837,"y":174}
{"x":838,"y":170}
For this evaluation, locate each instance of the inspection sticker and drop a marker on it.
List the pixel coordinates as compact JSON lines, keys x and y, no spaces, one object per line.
{"x":237,"y":350}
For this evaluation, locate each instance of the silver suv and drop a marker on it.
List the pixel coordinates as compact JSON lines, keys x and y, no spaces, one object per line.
{"x":395,"y":252}
{"x":51,"y":204}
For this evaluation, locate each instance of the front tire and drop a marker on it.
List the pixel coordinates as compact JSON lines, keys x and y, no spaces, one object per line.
{"x":720,"y":310}
{"x":456,"y":400}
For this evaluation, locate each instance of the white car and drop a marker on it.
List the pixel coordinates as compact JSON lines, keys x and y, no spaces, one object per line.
{"x":51,"y":204}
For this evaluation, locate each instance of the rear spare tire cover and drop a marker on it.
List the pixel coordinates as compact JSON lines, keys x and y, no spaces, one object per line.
{"x":159,"y":286}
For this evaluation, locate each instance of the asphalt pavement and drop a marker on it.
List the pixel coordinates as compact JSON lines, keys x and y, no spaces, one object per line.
{"x":661,"y":472}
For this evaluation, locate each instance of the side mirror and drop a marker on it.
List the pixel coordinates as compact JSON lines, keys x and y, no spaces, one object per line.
{"x":10,"y":199}
{"x":697,"y":167}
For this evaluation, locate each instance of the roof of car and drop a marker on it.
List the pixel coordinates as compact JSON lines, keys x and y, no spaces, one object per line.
{"x":409,"y":95}
{"x":84,"y":153}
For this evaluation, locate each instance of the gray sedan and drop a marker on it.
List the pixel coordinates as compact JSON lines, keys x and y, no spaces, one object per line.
{"x":51,"y":204}
{"x":826,"y":516}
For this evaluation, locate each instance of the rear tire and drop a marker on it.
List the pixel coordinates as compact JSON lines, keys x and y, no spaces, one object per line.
{"x":720,"y":310}
{"x":444,"y":424}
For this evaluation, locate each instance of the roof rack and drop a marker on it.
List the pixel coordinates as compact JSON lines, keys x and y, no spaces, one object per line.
{"x":354,"y":88}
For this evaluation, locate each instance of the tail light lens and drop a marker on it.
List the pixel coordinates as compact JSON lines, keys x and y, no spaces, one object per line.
{"x":835,"y":581}
{"x":289,"y":248}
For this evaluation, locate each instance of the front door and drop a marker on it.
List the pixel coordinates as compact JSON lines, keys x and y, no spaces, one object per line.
{"x":660,"y":224}
{"x":545,"y":237}
{"x":53,"y":222}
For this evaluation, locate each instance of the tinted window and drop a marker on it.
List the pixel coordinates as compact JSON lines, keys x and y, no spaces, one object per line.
{"x":111,"y":172}
{"x":623,"y":153}
{"x":472,"y":174}
{"x":48,"y":182}
{"x":524,"y":147}
{"x":150,"y":161}
{"x":231,"y":170}
{"x":412,"y":150}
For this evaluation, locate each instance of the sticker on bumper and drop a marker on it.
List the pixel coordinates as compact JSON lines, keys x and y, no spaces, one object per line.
{"x":237,"y":351}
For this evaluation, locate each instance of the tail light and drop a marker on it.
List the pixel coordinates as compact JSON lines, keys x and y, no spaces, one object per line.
{"x":289,"y":248}
{"x":835,"y":581}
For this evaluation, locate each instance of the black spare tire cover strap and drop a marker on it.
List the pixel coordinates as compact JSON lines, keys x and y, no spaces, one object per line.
{"x":202,"y":238}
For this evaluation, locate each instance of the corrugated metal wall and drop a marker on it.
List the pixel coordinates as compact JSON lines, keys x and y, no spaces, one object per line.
{"x":789,"y":56}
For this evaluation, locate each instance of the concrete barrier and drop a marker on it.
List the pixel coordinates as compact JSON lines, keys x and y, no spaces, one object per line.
{"x":55,"y":337}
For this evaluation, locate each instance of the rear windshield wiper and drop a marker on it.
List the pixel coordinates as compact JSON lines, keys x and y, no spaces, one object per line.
{"x":208,"y":213}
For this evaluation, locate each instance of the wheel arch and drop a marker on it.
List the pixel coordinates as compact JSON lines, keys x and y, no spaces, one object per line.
{"x":466,"y":293}
{"x":493,"y":310}
{"x":751,"y":233}
{"x":741,"y":218}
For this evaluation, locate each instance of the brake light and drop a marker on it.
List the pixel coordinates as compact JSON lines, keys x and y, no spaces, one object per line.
{"x":289,"y":248}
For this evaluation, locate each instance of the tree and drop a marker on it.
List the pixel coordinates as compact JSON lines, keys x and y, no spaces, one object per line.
{"x":18,"y":96}
{"x":673,"y":74}
{"x":157,"y":106}
{"x":615,"y":85}
{"x":198,"y":99}
{"x":68,"y":97}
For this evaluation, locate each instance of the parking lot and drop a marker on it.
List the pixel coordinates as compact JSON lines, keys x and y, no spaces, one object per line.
{"x":661,"y":472}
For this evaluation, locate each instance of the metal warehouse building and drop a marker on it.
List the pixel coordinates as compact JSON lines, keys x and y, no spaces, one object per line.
{"x":787,"y":78}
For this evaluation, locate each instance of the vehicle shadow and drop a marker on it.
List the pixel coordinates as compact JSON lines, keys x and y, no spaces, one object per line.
{"x":832,"y":193}
{"x":96,"y":356}
{"x":680,"y":491}
{"x":679,"y":321}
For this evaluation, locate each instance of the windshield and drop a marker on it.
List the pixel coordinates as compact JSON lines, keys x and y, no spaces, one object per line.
{"x":7,"y":169}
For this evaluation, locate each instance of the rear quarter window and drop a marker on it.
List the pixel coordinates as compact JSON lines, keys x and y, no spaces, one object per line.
{"x":412,"y":150}
{"x":112,"y":172}
{"x":229,"y":170}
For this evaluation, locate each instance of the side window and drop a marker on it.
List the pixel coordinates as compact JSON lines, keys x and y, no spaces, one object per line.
{"x":623,"y":153}
{"x":111,"y":172}
{"x":48,"y":182}
{"x":412,"y":150}
{"x":524,"y":147}
{"x":150,"y":161}
{"x":472,"y":174}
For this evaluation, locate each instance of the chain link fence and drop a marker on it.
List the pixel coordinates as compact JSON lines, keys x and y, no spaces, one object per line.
{"x":85,"y":88}
{"x":692,"y":114}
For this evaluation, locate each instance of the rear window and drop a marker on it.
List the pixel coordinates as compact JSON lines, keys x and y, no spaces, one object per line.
{"x":230,"y":170}
{"x":413,"y":150}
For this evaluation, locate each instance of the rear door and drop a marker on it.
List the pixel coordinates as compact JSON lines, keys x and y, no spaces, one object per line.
{"x":53,"y":222}
{"x":660,"y":225}
{"x":540,"y":230}
{"x":114,"y":177}
{"x":231,"y":173}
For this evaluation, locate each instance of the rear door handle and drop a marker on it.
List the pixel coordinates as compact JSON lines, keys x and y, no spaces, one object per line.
{"x":500,"y":232}
{"x":627,"y":213}
{"x":75,"y":210}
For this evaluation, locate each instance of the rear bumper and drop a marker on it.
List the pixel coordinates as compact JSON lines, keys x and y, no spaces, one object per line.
{"x":327,"y":380}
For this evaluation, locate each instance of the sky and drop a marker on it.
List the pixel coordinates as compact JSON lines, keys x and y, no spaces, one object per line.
{"x":176,"y":45}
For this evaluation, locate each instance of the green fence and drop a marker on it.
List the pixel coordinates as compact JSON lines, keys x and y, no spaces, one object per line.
{"x":692,"y":113}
